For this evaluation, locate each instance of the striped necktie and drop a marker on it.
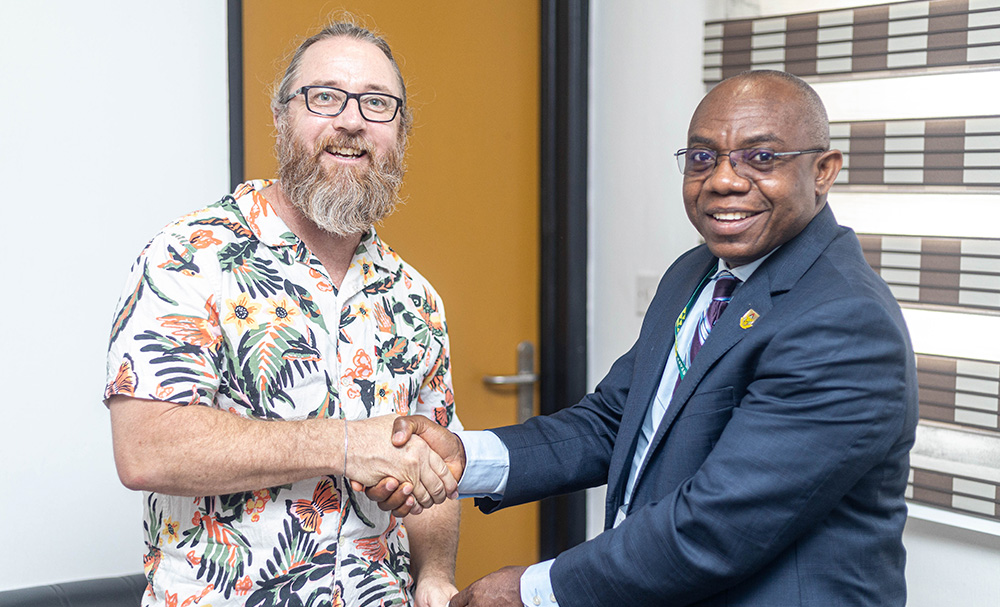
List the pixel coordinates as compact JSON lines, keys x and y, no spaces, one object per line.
{"x":724,"y":286}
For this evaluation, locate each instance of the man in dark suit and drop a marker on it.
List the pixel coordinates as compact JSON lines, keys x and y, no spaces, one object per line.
{"x":755,"y":438}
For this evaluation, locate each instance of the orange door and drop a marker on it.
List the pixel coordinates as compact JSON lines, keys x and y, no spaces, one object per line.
{"x":470,"y":221}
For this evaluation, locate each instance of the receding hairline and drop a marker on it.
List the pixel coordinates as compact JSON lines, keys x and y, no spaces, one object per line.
{"x":814,"y":116}
{"x":349,"y":27}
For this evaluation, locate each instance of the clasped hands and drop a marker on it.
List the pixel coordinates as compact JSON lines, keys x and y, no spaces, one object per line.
{"x":421,"y":468}
{"x":498,"y":589}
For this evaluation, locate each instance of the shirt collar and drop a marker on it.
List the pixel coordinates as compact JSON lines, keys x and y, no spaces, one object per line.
{"x":742,"y":272}
{"x":273,"y":232}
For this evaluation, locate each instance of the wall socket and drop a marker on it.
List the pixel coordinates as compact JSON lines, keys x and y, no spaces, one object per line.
{"x":645,"y":288}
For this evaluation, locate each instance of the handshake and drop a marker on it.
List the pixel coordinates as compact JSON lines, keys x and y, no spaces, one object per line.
{"x":421,"y":467}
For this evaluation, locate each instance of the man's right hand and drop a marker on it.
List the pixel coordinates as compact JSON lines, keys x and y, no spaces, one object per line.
{"x":394,"y":495}
{"x":427,"y":475}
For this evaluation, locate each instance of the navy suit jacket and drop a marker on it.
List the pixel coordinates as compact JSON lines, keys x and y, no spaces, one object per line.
{"x":776,"y":476}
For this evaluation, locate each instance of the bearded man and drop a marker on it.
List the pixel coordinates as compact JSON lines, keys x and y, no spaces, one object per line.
{"x":263,"y":346}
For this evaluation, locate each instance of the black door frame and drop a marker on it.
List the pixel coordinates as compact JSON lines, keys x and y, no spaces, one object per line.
{"x":563,"y":221}
{"x":563,"y":348}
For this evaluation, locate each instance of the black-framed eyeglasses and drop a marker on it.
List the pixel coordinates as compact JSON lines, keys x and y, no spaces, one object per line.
{"x":331,"y":101}
{"x":749,"y":163}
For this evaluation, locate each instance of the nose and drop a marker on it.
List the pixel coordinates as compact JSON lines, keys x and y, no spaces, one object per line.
{"x":350,"y":119}
{"x":724,"y":179}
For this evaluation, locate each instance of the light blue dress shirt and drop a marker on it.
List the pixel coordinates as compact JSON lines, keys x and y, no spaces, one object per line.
{"x":488,"y":460}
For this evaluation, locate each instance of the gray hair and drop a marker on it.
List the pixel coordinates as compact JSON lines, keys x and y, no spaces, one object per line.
{"x":346,"y":29}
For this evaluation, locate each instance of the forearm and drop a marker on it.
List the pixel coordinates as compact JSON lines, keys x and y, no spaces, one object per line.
{"x":434,"y":542}
{"x":197,"y":450}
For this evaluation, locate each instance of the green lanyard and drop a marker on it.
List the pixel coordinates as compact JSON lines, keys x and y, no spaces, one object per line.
{"x":682,"y":367}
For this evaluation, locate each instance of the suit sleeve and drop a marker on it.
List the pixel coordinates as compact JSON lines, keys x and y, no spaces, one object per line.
{"x":568,"y":450}
{"x":826,"y":403}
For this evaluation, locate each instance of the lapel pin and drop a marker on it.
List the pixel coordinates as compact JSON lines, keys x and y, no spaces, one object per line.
{"x":748,"y":319}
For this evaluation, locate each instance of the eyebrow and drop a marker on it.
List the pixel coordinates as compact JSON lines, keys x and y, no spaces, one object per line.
{"x":370,"y":88}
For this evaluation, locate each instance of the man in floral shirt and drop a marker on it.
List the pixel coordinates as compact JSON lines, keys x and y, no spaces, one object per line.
{"x":262,"y":347}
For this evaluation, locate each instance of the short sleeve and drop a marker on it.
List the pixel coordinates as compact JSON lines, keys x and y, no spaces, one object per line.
{"x":436,"y":399}
{"x":165,"y":336}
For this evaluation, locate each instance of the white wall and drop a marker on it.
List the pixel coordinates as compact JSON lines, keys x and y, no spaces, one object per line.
{"x":113,"y":121}
{"x":653,"y":49}
{"x":650,"y":49}
{"x":948,"y":565}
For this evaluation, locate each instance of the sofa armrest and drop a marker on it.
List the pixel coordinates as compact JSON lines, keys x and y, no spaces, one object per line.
{"x":122,"y":591}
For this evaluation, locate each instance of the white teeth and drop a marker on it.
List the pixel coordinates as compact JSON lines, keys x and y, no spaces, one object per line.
{"x":731,"y":216}
{"x":351,"y":152}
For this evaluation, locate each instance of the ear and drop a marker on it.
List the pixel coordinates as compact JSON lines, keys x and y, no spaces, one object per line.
{"x":827,"y":168}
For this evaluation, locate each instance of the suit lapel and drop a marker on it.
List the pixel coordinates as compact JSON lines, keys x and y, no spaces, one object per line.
{"x":652,"y":351}
{"x":776,"y":275}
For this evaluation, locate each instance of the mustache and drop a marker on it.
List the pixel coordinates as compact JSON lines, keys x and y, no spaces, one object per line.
{"x":341,"y":140}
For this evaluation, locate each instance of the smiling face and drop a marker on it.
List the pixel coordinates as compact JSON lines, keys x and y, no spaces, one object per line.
{"x":744,"y":219}
{"x":355,"y":66}
{"x":342,"y":172}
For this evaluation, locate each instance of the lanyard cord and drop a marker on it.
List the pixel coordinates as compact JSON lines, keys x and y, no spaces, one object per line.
{"x":682,"y":367}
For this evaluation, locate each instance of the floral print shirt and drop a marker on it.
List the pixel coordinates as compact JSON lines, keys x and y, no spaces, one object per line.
{"x":226,"y":308}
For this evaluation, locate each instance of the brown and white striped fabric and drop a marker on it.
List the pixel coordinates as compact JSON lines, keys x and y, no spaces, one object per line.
{"x":916,"y":35}
{"x":934,"y":152}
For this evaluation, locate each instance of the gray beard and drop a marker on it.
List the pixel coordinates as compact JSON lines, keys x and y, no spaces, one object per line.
{"x":346,"y":200}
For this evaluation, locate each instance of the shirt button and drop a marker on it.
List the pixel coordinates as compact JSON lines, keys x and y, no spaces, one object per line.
{"x":537,"y":600}
{"x":552,"y":598}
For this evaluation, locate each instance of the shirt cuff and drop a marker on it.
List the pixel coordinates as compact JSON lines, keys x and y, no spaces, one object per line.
{"x":536,"y":586}
{"x":487,"y":464}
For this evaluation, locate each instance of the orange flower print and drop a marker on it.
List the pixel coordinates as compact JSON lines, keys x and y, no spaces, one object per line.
{"x":362,"y":311}
{"x":363,"y":366}
{"x":255,"y":505}
{"x":244,"y":586}
{"x":367,"y":270}
{"x":202,"y":239}
{"x":383,"y":393}
{"x":164,"y":392}
{"x":193,"y":560}
{"x":280,"y":311}
{"x":172,"y":529}
{"x":242,"y":313}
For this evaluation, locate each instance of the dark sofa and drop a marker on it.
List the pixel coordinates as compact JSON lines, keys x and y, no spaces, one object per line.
{"x":123,"y":591}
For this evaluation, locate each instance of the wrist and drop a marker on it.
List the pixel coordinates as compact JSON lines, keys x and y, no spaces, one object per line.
{"x":346,"y":446}
{"x":462,"y":459}
{"x":434,"y":575}
{"x":336,"y":445}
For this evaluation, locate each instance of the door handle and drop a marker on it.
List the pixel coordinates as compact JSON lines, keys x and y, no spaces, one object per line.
{"x":525,"y":380}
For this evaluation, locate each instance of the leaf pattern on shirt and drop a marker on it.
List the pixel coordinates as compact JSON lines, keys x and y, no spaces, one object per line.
{"x":226,"y":308}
